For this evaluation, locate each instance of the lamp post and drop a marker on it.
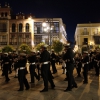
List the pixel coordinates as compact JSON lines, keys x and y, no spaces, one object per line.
{"x":17,"y":39}
{"x":48,"y":27}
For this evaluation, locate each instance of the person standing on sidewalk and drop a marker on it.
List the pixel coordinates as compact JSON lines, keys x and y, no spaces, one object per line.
{"x":69,"y":59}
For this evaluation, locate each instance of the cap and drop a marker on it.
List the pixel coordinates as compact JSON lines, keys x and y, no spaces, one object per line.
{"x":98,"y":51}
{"x":85,"y":52}
{"x":44,"y":46}
{"x":6,"y":53}
{"x":67,"y":45}
{"x":22,"y":54}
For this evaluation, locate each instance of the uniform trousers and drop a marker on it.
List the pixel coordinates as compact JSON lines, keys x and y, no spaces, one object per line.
{"x":5,"y":71}
{"x":33,"y":73}
{"x":53,"y":66}
{"x":71,"y":81}
{"x":22,"y":79}
{"x":85,"y":72}
{"x":45,"y":72}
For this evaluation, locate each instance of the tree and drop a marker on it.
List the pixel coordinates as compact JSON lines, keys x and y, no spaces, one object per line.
{"x":57,"y":46}
{"x":7,"y":48}
{"x":25,"y":48}
{"x":38,"y":47}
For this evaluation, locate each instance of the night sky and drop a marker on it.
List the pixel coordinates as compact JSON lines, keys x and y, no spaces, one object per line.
{"x":72,"y":12}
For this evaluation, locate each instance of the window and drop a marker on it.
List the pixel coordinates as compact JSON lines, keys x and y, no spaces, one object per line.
{"x":26,"y":36}
{"x":27,"y":27}
{"x":4,"y":38}
{"x":20,"y":27}
{"x":86,"y":41}
{"x":2,"y":14}
{"x":6,"y":14}
{"x":85,"y":32}
{"x":13,"y":28}
{"x":97,"y":39}
{"x":56,"y":27}
{"x":3,"y":27}
{"x":38,"y":27}
{"x":96,"y":31}
{"x":12,"y":36}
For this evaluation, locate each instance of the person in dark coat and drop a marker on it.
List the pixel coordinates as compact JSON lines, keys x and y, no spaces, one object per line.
{"x":45,"y":69}
{"x":32,"y":67}
{"x":78,"y":64}
{"x":5,"y":63}
{"x":22,"y":72}
{"x":85,"y":65}
{"x":53,"y":59}
{"x":69,"y":59}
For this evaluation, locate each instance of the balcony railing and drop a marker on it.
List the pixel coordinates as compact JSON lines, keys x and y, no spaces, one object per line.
{"x":85,"y":33}
{"x":3,"y":43}
{"x":15,"y":43}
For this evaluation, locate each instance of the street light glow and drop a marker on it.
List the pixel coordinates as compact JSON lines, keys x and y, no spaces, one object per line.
{"x":44,"y":24}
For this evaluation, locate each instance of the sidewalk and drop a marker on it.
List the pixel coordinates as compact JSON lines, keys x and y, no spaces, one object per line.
{"x":90,"y":91}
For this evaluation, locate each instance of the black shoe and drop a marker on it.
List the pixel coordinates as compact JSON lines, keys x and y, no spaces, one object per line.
{"x":85,"y":82}
{"x":52,"y":77}
{"x":7,"y":80}
{"x":20,"y":90}
{"x":78,"y":75}
{"x":54,"y":72}
{"x":38,"y":78}
{"x":53,"y":87}
{"x":31,"y":82}
{"x":65,"y":79}
{"x":2,"y":74}
{"x":10,"y":72}
{"x":74,"y":86}
{"x":44,"y":90}
{"x":28,"y":88}
{"x":16,"y":77}
{"x":67,"y":90}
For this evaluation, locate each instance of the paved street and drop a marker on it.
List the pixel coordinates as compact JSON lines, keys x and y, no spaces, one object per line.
{"x":90,"y":91}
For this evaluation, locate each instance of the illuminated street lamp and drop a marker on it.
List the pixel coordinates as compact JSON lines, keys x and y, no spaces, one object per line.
{"x":48,"y":27}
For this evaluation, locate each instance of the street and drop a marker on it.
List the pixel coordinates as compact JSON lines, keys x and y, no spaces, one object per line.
{"x":90,"y":91}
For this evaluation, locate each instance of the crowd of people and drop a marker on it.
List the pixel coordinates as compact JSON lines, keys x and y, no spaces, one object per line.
{"x":42,"y":62}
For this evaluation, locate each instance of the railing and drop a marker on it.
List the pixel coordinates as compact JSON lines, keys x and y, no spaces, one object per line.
{"x":3,"y":43}
{"x":85,"y":33}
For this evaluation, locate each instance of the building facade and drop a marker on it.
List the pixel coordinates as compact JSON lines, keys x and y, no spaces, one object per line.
{"x":20,"y":28}
{"x":87,"y":36}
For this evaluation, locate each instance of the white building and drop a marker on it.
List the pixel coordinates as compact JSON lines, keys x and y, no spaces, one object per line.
{"x":20,"y":28}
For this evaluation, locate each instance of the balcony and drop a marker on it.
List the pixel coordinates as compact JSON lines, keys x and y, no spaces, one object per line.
{"x":85,"y":33}
{"x":3,"y":43}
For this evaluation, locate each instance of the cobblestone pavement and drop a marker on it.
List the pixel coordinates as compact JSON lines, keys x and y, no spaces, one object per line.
{"x":90,"y":91}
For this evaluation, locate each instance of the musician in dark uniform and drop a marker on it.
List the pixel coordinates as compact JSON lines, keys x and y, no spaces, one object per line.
{"x":1,"y":64}
{"x":78,"y":64}
{"x":53,"y":59}
{"x":5,"y":63}
{"x":68,"y":58}
{"x":22,"y":72}
{"x":45,"y":69}
{"x":10,"y":62}
{"x":32,"y":67}
{"x":85,"y":65}
{"x":97,"y":62}
{"x":15,"y":61}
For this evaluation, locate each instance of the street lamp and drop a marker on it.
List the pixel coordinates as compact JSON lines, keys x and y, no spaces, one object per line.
{"x":48,"y":27}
